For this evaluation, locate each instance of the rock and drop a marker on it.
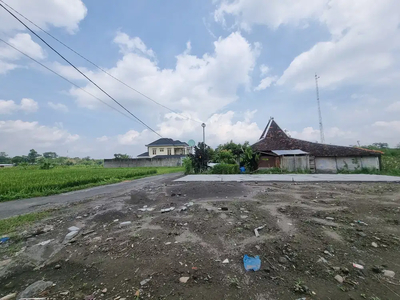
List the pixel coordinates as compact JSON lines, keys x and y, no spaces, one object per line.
{"x":144,"y":282}
{"x":282,"y":260}
{"x":57,"y":267}
{"x":330,"y":249}
{"x":375,"y":245}
{"x":4,"y":263}
{"x":9,"y":297}
{"x":168,"y":243}
{"x":184,"y":279}
{"x":339,"y":278}
{"x":226,"y":261}
{"x":345,"y":270}
{"x":104,"y":291}
{"x":336,"y":268}
{"x":164,"y":210}
{"x":328,"y":253}
{"x":388,"y":273}
{"x":244,"y":217}
{"x":330,"y":218}
{"x":64,"y":293}
{"x":70,"y":236}
{"x":127,"y":223}
{"x":73,"y":228}
{"x":35,"y":289}
{"x":322,"y":260}
{"x":48,"y":228}
{"x":44,"y":243}
{"x":360,"y":233}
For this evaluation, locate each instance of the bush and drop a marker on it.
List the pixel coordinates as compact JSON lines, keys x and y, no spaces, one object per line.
{"x":188,"y":165}
{"x":225,"y":169}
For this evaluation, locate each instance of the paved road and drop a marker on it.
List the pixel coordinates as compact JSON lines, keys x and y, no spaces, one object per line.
{"x":23,"y":206}
{"x":294,"y":177}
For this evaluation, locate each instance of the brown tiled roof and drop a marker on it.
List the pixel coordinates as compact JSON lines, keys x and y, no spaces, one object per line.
{"x":274,"y":138}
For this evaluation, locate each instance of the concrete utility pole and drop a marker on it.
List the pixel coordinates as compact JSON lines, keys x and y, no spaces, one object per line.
{"x":321,"y":127}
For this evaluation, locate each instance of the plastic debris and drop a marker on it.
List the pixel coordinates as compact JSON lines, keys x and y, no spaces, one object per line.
{"x":4,"y":239}
{"x":388,"y":273}
{"x":45,"y":242}
{"x":257,"y":229}
{"x":361,"y":222}
{"x":184,"y":279}
{"x":189,"y":204}
{"x":182,"y":208}
{"x":358,"y":266}
{"x":9,"y":297}
{"x":167,"y":209}
{"x":143,"y":282}
{"x":168,"y":243}
{"x":339,"y":278}
{"x":252,"y":263}
{"x":145,"y":208}
{"x":125,"y":223}
{"x":226,"y":261}
{"x":375,"y":245}
{"x":73,"y":228}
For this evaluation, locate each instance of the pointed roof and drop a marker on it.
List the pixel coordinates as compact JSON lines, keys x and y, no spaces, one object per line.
{"x":274,"y":138}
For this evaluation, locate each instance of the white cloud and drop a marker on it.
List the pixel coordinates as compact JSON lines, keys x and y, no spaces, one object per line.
{"x":46,"y":13}
{"x":198,"y":86}
{"x":102,"y":139}
{"x":18,"y":136}
{"x":364,"y":38}
{"x":394,"y":107}
{"x":58,"y":106}
{"x":387,"y":126}
{"x":331,"y":134}
{"x":267,"y":81}
{"x":134,"y":45}
{"x":27,"y":105}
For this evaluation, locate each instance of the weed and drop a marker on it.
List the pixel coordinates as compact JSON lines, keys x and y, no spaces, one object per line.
{"x":12,"y":224}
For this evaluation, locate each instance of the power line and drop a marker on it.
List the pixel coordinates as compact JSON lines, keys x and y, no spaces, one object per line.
{"x":72,"y":65}
{"x":97,"y":66}
{"x":54,"y":72}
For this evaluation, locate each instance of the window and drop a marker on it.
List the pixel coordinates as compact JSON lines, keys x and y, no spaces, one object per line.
{"x":161,"y":149}
{"x":154,"y":151}
{"x":169,"y":151}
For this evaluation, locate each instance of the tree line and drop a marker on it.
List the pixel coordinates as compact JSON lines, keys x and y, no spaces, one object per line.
{"x":46,"y":159}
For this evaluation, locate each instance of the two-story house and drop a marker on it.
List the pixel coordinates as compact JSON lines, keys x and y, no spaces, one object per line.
{"x":166,"y":147}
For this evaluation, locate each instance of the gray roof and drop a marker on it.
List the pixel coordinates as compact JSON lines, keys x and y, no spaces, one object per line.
{"x":145,"y":154}
{"x":289,"y":152}
{"x":167,"y":142}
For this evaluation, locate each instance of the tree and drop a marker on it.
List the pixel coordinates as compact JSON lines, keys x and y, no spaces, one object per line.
{"x":32,"y":156}
{"x":50,"y":155}
{"x":200,"y":157}
{"x":121,"y":156}
{"x":250,"y":159}
{"x":4,"y":159}
{"x":398,"y":146}
{"x":381,"y":145}
{"x":18,"y":159}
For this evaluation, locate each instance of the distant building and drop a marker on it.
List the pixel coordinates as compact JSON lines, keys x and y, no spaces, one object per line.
{"x":166,"y":147}
{"x":320,"y":158}
{"x":163,"y":152}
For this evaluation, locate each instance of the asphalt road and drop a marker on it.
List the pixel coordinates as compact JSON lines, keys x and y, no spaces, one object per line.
{"x":293,"y":177}
{"x":23,"y":206}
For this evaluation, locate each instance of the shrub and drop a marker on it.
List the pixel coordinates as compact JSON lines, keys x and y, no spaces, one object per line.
{"x":188,"y":165}
{"x":225,"y":169}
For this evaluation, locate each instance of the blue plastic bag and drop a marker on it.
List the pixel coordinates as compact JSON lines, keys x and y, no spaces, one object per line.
{"x":252,"y":263}
{"x":3,"y":240}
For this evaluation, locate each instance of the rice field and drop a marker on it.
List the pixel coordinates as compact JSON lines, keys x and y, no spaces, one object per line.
{"x":18,"y":183}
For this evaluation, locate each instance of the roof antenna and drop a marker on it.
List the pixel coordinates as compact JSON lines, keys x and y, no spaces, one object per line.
{"x":321,"y":127}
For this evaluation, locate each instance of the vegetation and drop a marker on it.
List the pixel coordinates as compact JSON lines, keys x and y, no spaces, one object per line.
{"x":225,"y":169}
{"x":12,"y":224}
{"x":33,"y":181}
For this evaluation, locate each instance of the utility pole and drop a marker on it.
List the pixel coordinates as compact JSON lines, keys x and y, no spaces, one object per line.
{"x":321,"y":127}
{"x":204,"y":133}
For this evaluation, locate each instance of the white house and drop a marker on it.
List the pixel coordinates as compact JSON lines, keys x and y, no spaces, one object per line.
{"x":165,"y":147}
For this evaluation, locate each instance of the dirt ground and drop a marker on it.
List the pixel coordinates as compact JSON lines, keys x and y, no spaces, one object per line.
{"x":312,"y":233}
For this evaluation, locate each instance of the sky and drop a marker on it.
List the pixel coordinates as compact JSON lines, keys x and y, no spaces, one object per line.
{"x":231,"y":64}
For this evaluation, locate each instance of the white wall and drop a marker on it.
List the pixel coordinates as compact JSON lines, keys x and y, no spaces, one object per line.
{"x":158,"y":152}
{"x":294,"y":163}
{"x":333,"y":164}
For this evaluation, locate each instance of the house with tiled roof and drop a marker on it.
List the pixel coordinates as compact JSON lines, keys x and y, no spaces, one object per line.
{"x":166,"y":147}
{"x":322,"y":158}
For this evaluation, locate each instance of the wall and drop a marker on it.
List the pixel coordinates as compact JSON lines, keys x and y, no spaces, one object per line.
{"x":293,"y":163}
{"x":333,"y":164}
{"x":268,"y":161}
{"x":143,"y":162}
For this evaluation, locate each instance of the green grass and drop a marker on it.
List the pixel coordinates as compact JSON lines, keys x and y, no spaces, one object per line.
{"x":10,"y":225}
{"x":18,"y":183}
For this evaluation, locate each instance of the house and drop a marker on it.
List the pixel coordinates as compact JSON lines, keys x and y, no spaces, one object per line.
{"x":166,"y":147}
{"x":322,"y":158}
{"x":6,"y":165}
{"x":161,"y":153}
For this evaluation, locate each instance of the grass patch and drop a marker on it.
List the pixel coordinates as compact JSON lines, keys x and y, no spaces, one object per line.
{"x":19,"y":183}
{"x":12,"y":224}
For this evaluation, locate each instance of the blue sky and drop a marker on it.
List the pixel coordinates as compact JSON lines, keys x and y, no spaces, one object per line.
{"x":230,"y":64}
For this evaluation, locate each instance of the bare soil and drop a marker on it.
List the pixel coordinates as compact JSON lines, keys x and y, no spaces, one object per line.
{"x":311,"y":234}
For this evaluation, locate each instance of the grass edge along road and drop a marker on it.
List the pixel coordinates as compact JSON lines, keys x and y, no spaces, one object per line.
{"x":10,"y":225}
{"x":17,"y":183}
